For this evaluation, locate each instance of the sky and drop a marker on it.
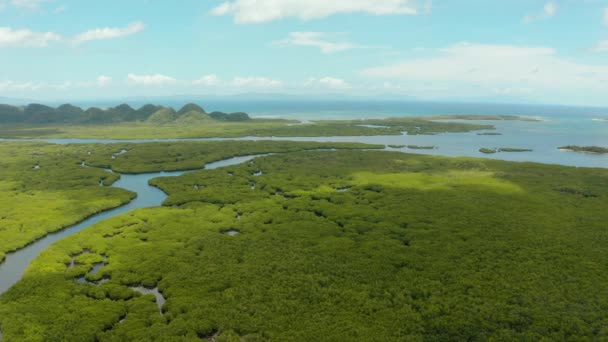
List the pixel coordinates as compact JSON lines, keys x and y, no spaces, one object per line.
{"x":552,"y":52}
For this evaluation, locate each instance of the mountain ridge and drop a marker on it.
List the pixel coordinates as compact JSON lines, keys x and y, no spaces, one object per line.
{"x":35,"y":113}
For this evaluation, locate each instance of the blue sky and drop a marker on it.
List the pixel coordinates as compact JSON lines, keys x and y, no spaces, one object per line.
{"x":516,"y":50}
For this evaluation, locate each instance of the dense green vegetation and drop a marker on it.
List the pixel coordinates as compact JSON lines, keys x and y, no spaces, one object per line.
{"x":483,"y":117}
{"x":418,"y":147}
{"x":191,"y":121}
{"x":487,"y":150}
{"x":43,"y":190}
{"x":411,"y":125}
{"x":336,"y":246}
{"x":46,"y":187}
{"x":69,"y":114}
{"x":588,"y":149}
{"x":514,"y":149}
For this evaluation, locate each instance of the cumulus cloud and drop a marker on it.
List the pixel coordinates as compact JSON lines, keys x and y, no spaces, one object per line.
{"x":10,"y":37}
{"x":497,"y":66}
{"x":328,"y":83}
{"x":109,"y":33}
{"x":150,"y":80}
{"x":601,"y":46}
{"x":316,"y":39}
{"x":256,"y":82}
{"x":208,"y":81}
{"x":260,"y":11}
{"x":548,"y":11}
{"x":104,"y":81}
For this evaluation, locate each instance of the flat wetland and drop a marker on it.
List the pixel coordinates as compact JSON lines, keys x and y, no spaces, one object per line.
{"x":395,"y":229}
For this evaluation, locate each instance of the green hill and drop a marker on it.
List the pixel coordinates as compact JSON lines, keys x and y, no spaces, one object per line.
{"x":189,"y":114}
{"x":191,"y":107}
{"x":193,"y":118}
{"x":163,"y":116}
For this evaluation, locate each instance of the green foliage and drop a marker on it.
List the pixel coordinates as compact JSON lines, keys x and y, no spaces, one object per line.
{"x":36,"y":114}
{"x":43,"y":188}
{"x":163,"y":116}
{"x":590,"y":149}
{"x":336,"y":246}
{"x":191,"y":121}
{"x":230,"y":117}
{"x":417,"y":147}
{"x":487,"y":150}
{"x":514,"y":149}
{"x":483,"y":117}
{"x":191,"y":107}
{"x":46,"y":187}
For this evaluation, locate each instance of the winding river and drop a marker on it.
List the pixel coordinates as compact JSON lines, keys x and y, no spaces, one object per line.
{"x":13,"y":267}
{"x":543,"y":137}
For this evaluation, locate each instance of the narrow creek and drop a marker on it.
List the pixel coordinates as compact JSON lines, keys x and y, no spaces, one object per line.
{"x":13,"y":267}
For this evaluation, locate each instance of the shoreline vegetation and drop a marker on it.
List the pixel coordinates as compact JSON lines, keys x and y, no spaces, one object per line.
{"x":584,"y":149}
{"x":192,"y":121}
{"x":46,"y":188}
{"x":413,"y":147}
{"x":483,"y":117}
{"x":487,"y":150}
{"x":346,"y":245}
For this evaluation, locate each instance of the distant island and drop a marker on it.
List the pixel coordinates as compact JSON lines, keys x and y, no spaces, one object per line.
{"x":487,"y":150}
{"x":69,"y":114}
{"x":482,"y":117}
{"x":584,"y":149}
{"x":413,"y":147}
{"x":600,"y":119}
{"x":417,"y":147}
{"x":192,"y":121}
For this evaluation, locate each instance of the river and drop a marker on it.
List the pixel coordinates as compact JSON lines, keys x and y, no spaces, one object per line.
{"x":13,"y":267}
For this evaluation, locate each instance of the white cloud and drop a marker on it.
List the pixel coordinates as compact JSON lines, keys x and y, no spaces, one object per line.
{"x":208,"y":81}
{"x":548,"y":11}
{"x":29,"y":4}
{"x":606,"y":16}
{"x":10,"y":38}
{"x":329,"y":83}
{"x":60,"y":9}
{"x":316,"y":39}
{"x":28,"y":86}
{"x":497,"y":66}
{"x":104,"y":81}
{"x":256,"y":82}
{"x":109,"y":33}
{"x":260,"y":11}
{"x":150,"y":80}
{"x":601,"y":46}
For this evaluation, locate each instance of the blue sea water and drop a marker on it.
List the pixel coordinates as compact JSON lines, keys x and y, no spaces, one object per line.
{"x":348,"y":109}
